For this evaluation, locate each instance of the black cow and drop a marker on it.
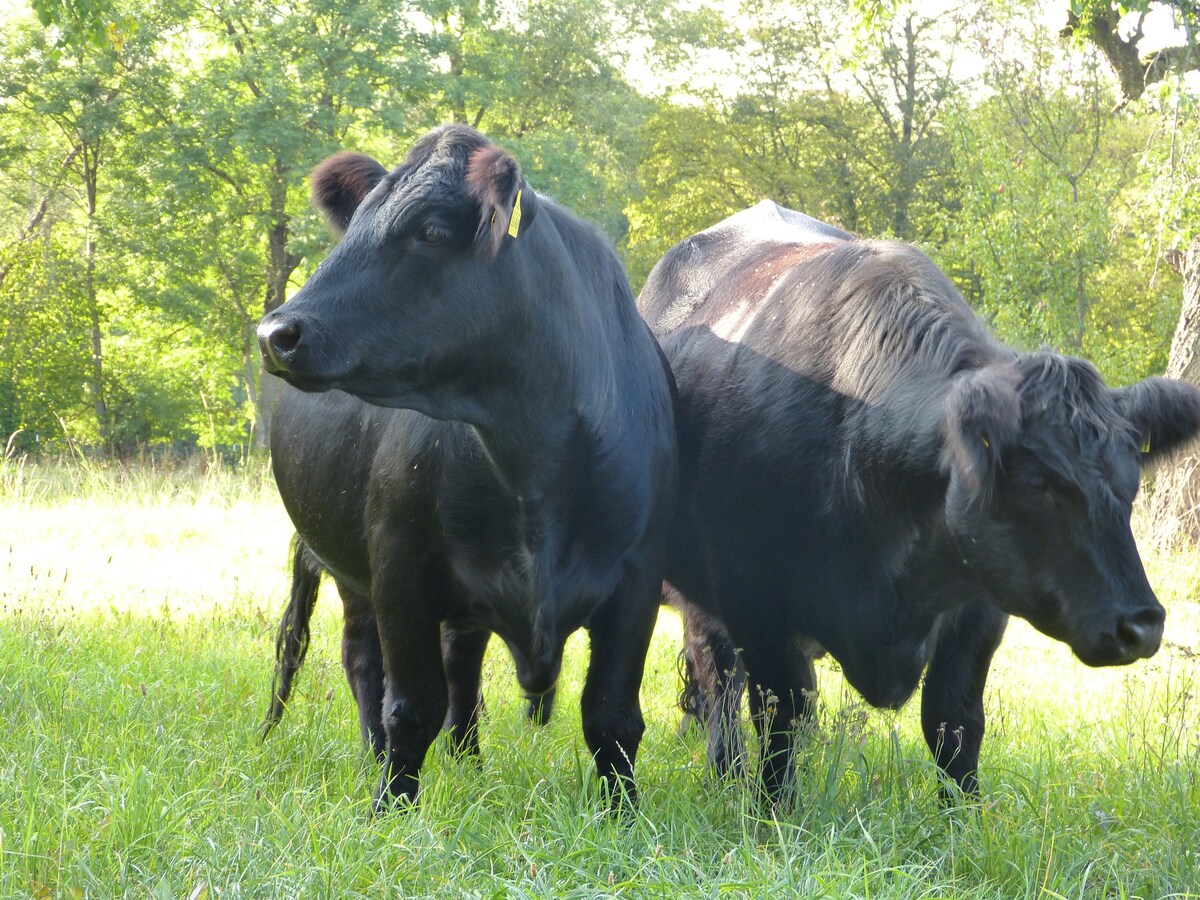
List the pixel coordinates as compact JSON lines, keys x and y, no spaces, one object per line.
{"x":362,"y":659}
{"x":523,"y":473}
{"x":865,"y":469}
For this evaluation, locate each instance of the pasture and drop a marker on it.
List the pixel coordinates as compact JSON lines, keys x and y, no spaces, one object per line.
{"x":138,"y":609}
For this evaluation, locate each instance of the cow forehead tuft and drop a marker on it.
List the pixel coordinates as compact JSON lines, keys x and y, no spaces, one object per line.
{"x":438,"y":161}
{"x":1068,"y":390}
{"x":453,"y":143}
{"x":434,"y":174}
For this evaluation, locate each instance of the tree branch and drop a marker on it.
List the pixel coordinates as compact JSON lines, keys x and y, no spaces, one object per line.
{"x":40,"y":213}
{"x":1135,"y":73}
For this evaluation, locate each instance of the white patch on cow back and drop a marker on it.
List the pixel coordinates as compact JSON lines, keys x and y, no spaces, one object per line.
{"x":732,"y":326}
{"x":698,"y":265}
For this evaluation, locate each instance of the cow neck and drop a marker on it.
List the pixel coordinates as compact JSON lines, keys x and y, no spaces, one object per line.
{"x":560,"y":380}
{"x":898,"y":441}
{"x":525,"y":423}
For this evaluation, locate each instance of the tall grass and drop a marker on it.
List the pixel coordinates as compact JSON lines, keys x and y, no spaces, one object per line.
{"x":136,"y":631}
{"x":182,"y":537}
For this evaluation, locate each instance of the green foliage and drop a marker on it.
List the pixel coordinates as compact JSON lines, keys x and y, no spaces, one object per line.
{"x":862,"y":149}
{"x":691,"y":177}
{"x":1024,"y":230}
{"x":95,"y":22}
{"x":1051,"y":238}
{"x":40,"y":356}
{"x":1169,"y":177}
{"x":1089,"y":10}
{"x":153,"y":160}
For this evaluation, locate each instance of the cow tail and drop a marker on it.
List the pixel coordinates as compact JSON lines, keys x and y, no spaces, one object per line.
{"x":693,"y":699}
{"x":291,"y":644}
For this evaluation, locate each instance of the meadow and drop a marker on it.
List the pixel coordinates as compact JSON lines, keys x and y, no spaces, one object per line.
{"x":138,"y":608}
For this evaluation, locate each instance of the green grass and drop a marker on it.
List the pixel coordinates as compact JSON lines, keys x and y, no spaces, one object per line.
{"x":137,"y":617}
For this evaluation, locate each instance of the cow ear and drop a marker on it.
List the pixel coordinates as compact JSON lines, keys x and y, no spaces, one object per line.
{"x":983,"y":418}
{"x":507,"y":204}
{"x":1165,"y":412}
{"x":340,"y":184}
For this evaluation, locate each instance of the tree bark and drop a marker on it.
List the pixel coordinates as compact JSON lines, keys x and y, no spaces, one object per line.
{"x":1175,"y":503}
{"x":96,"y":386}
{"x":280,"y":265}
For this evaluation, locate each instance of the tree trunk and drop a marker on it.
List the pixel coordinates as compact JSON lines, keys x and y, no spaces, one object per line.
{"x":37,"y":215}
{"x":96,"y":386}
{"x":264,"y":392}
{"x":1175,"y":504}
{"x":280,"y":265}
{"x":906,"y":152}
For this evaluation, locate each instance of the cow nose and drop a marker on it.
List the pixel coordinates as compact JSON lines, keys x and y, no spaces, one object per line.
{"x":1140,"y":633}
{"x":279,"y":343}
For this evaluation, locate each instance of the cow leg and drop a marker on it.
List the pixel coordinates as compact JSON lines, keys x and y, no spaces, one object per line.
{"x":952,"y":699}
{"x":538,"y":709}
{"x":462,"y":657}
{"x":363,"y":662}
{"x":782,"y":689}
{"x":612,"y":714}
{"x":415,"y":697}
{"x":715,"y":680}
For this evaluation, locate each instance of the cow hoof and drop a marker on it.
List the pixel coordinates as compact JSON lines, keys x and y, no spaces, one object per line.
{"x":539,"y":707}
{"x":390,"y":798}
{"x":622,"y":799}
{"x":386,"y":804}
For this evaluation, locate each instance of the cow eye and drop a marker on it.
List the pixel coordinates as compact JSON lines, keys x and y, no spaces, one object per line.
{"x":1033,"y":481}
{"x":1031,"y":489}
{"x":431,"y":233}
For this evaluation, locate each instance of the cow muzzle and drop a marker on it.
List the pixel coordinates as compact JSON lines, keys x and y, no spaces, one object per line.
{"x":1133,"y":636}
{"x":1140,"y":634}
{"x":281,"y":343}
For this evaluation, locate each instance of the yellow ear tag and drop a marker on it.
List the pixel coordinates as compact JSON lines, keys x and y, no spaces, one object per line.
{"x":985,"y":442}
{"x":514,"y":223}
{"x":1146,"y":446}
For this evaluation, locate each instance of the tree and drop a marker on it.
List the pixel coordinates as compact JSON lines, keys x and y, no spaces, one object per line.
{"x":692,"y":175}
{"x":200,"y":214}
{"x":1117,"y":28}
{"x":279,"y":88}
{"x":850,"y":133}
{"x":1036,"y":201}
{"x":1175,"y":503}
{"x":76,"y":90}
{"x":907,"y":75}
{"x":1106,"y":24}
{"x":301,"y":81}
{"x":199,"y":220}
{"x":545,"y":78}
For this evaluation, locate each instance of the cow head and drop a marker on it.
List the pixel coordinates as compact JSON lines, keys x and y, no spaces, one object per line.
{"x":425,"y":290}
{"x":1043,"y":463}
